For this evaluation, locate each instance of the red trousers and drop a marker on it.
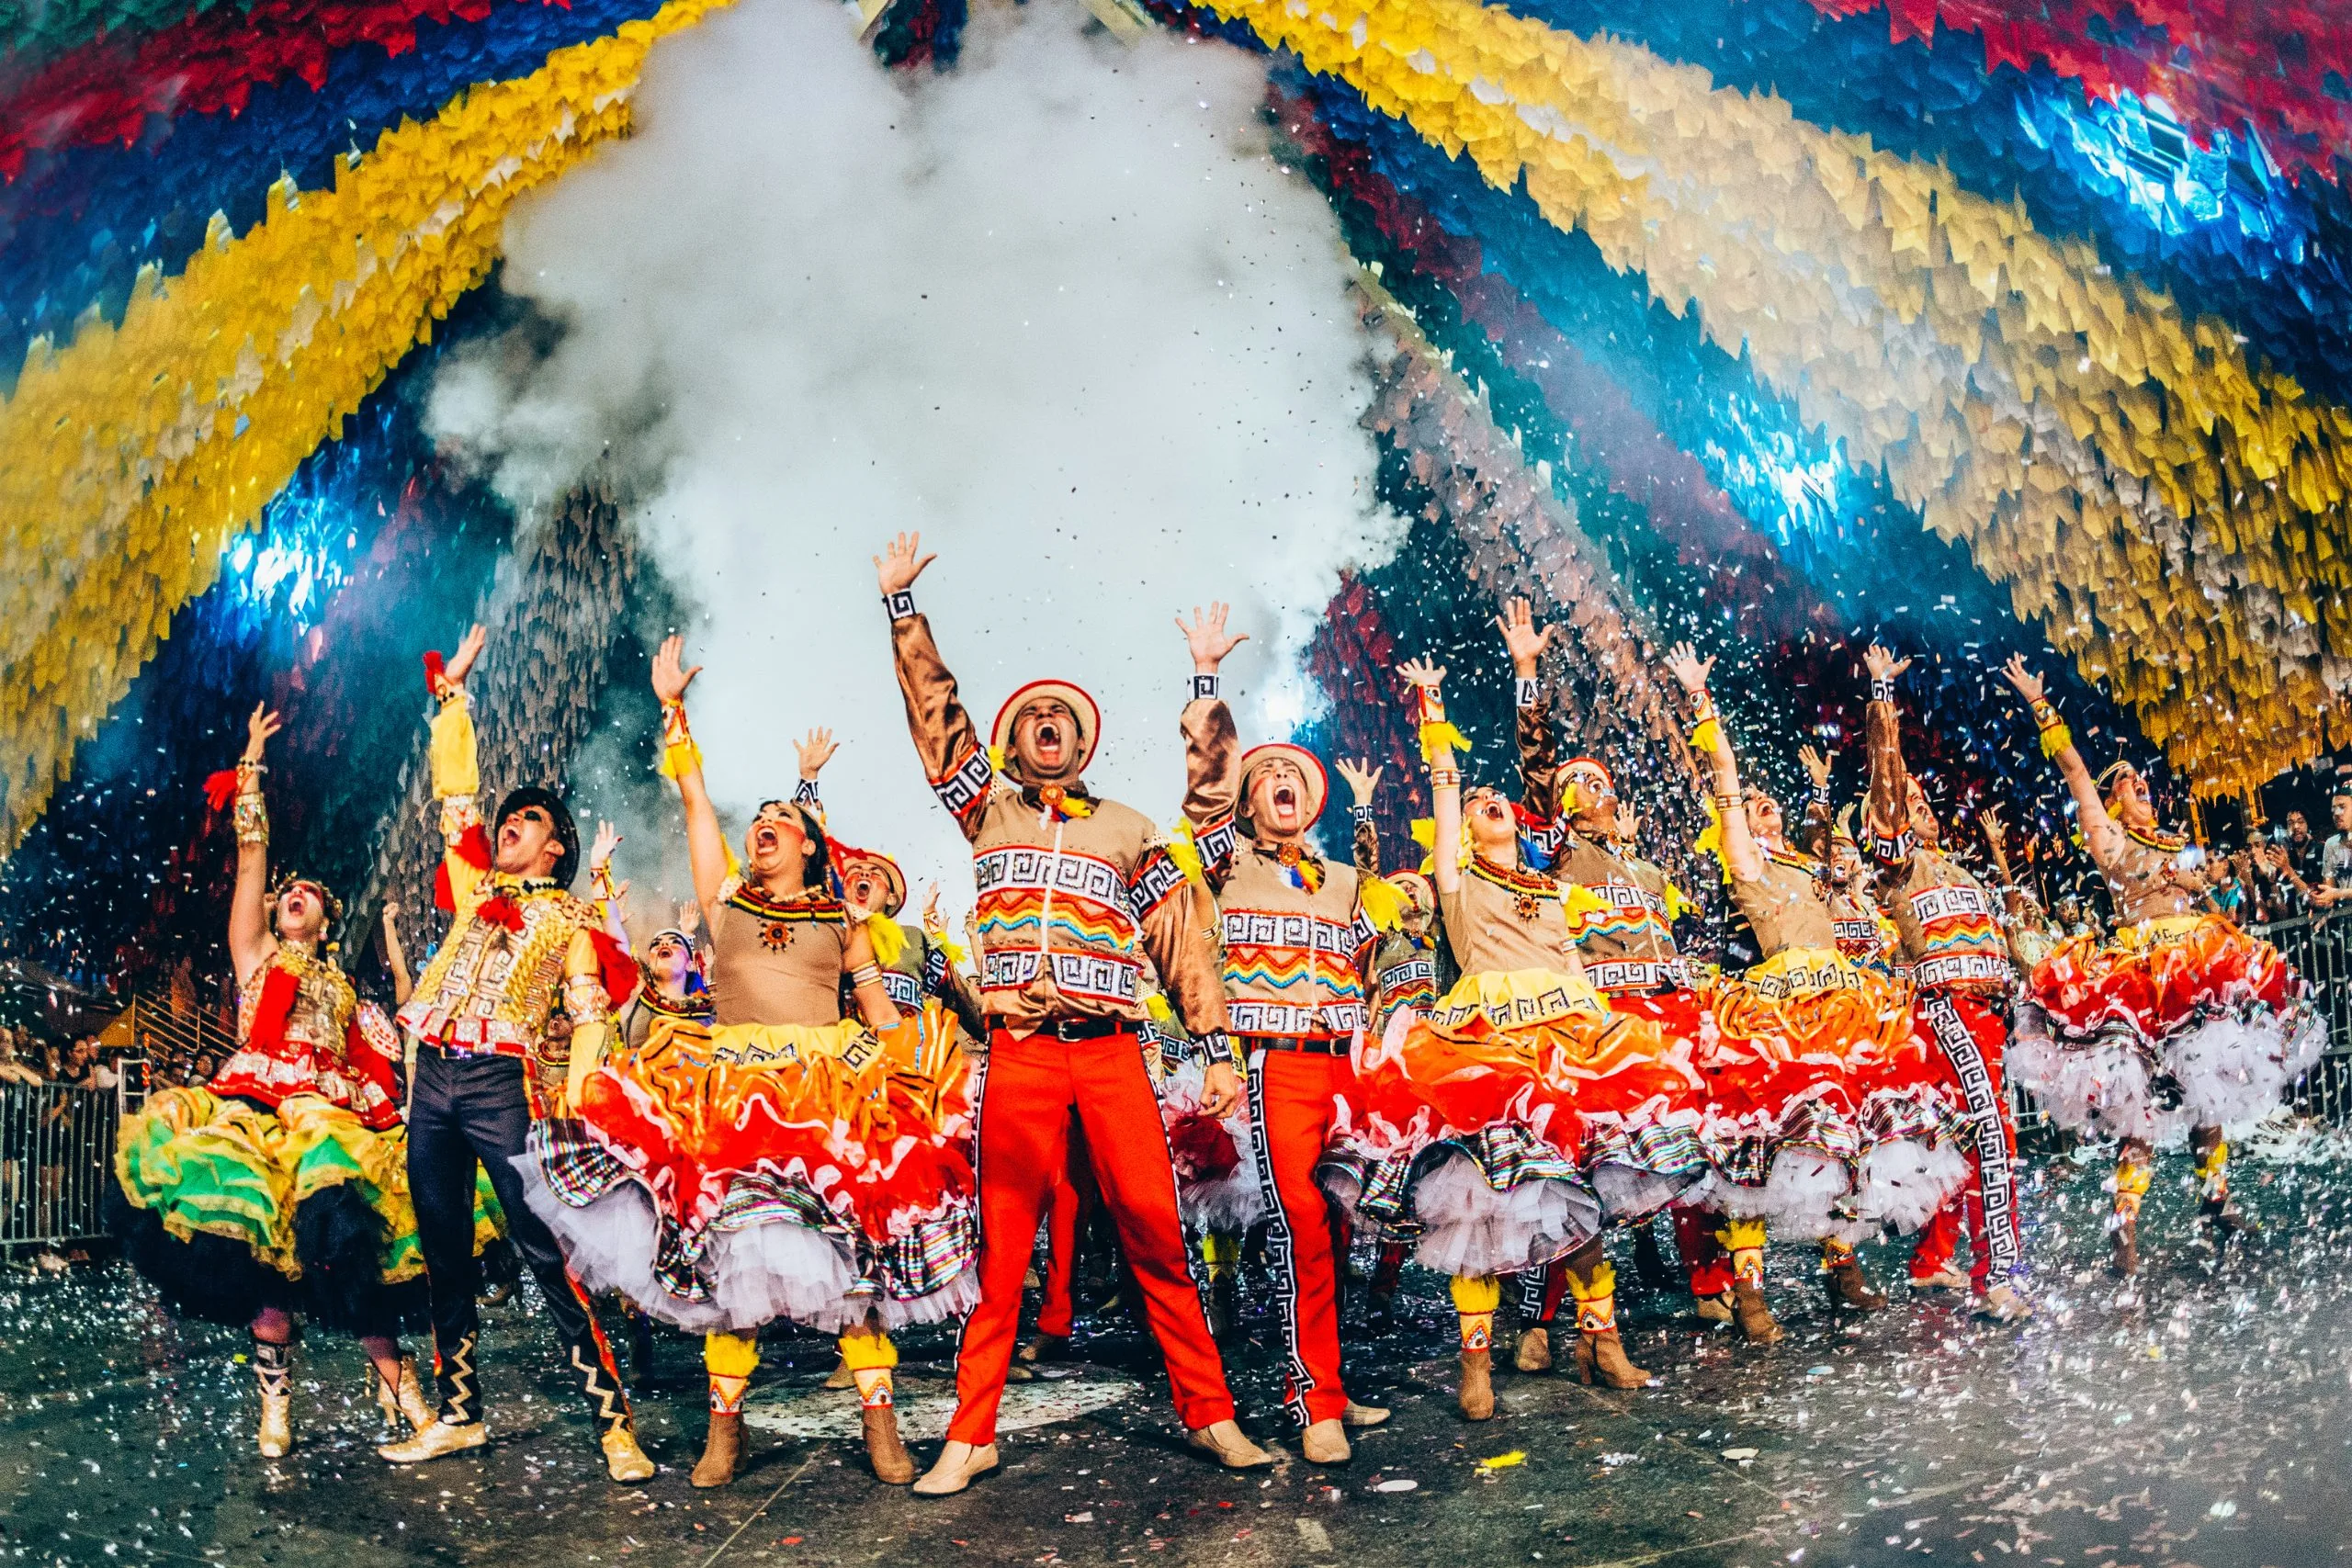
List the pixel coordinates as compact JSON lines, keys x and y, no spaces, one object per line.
{"x":1027,"y":1091}
{"x":1293,"y":1101}
{"x":1973,"y":1036}
{"x":1066,"y":1206}
{"x":1702,"y":1255}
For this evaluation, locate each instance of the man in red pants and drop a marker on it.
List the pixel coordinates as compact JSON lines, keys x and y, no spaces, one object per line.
{"x":1960,"y":966}
{"x":1296,"y":941}
{"x":1077,"y":893}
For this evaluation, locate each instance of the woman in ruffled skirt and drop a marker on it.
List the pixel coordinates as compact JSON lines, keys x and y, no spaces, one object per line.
{"x":1483,"y":1109}
{"x":1864,"y":1138}
{"x":778,"y":1161}
{"x":280,"y":1187}
{"x":2179,"y":1020}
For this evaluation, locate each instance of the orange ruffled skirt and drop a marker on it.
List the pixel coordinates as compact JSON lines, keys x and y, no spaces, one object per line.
{"x":723,"y":1178}
{"x":2184,"y":1020}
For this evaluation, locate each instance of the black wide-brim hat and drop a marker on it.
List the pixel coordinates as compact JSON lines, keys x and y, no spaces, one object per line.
{"x":567,"y":832}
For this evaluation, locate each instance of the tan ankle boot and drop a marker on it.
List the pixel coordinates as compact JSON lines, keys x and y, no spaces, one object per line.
{"x":410,"y":1403}
{"x":1756,"y":1325}
{"x":2124,"y":1258}
{"x":274,"y":1370}
{"x":722,"y":1451}
{"x":1601,"y":1359}
{"x":1712,"y":1309}
{"x":1850,"y":1288}
{"x":1478,"y":1386}
{"x":1534,"y":1348}
{"x":893,"y":1466}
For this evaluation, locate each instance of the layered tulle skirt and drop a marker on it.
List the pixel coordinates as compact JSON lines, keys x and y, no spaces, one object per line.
{"x":1521,"y":1114}
{"x":2175,"y":1022}
{"x":1217,"y":1174}
{"x":1846,"y":1121}
{"x":725,"y":1177}
{"x":228,"y":1207}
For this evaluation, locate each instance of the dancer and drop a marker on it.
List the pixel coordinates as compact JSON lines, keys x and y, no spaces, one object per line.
{"x":1962,"y":972}
{"x":2178,"y":995}
{"x":780,"y":1161}
{"x":280,"y":1186}
{"x":1625,"y":937}
{"x":1860,"y":1101}
{"x":1076,"y":895}
{"x":519,"y":947}
{"x":1296,"y":939}
{"x":1402,"y":976}
{"x":1496,"y":1086}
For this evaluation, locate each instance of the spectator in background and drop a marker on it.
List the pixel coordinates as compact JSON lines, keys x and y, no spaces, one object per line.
{"x":2301,"y":847}
{"x":2227,"y":891}
{"x":2336,"y":857}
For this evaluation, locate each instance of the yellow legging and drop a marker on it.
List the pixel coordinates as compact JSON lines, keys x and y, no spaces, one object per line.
{"x":732,"y":1359}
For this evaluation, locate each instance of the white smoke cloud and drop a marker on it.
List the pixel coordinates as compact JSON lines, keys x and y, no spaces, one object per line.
{"x":1059,"y":309}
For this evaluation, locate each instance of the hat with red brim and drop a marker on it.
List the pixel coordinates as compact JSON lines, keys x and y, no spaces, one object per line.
{"x":849,"y":861}
{"x":1074,"y":697}
{"x":1309,"y":766}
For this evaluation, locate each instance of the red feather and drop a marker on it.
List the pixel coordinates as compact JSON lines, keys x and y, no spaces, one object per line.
{"x":620,"y":970}
{"x":220,"y":789}
{"x":435,"y":668}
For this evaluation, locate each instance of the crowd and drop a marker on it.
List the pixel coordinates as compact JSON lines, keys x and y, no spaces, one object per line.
{"x":792,"y":1107}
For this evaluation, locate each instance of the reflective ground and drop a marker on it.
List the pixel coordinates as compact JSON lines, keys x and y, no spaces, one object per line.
{"x":2209,"y":1422}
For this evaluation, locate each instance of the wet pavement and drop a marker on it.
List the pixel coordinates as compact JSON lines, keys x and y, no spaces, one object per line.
{"x":2209,"y":1422}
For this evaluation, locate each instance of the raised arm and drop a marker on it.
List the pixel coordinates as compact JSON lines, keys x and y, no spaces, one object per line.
{"x":1741,"y":856}
{"x":396,"y":956}
{"x":681,"y":760}
{"x":1427,"y":680}
{"x":602,"y":891}
{"x":1539,"y":750}
{"x":250,"y":945}
{"x":1212,"y":747}
{"x":813,"y":751}
{"x":1889,"y":809}
{"x":1820,"y":815}
{"x":954,"y":760}
{"x":457,"y":770}
{"x":1363,"y":787}
{"x":2100,"y":834}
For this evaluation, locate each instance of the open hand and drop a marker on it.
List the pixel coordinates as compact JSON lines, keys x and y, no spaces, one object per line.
{"x":1881,"y":664}
{"x":2028,"y":683}
{"x":1207,"y":638}
{"x":600,"y":851}
{"x":1421,"y":673}
{"x":461,"y":663}
{"x":1361,"y":778}
{"x":1816,"y":766}
{"x":259,"y":727}
{"x":896,"y":568}
{"x":1521,"y":638}
{"x":1682,"y":661}
{"x":671,"y":676}
{"x":816,"y":750}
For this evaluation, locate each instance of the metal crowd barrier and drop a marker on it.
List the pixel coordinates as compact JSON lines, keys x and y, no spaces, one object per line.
{"x":2320,"y":947}
{"x":56,"y":1160}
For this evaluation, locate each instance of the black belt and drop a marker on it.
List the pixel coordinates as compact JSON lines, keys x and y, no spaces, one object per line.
{"x":1070,"y":1028}
{"x":1305,"y":1044}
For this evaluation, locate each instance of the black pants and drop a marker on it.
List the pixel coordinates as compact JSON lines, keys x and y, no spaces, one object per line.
{"x":466,"y":1109}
